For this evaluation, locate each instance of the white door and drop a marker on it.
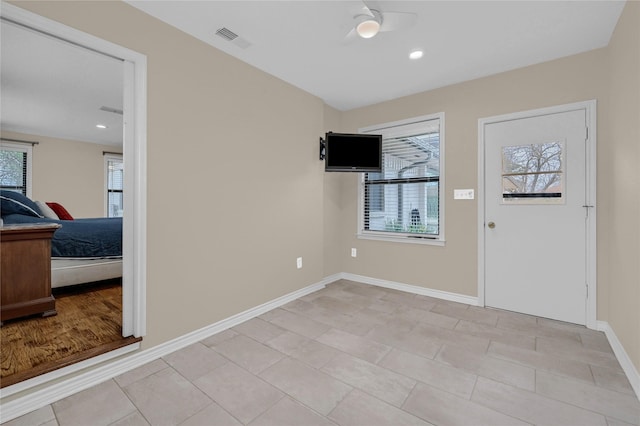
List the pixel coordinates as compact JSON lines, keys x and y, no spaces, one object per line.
{"x":535,"y":216}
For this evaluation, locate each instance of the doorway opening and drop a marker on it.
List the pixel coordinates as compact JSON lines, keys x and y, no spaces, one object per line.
{"x":134,"y":153}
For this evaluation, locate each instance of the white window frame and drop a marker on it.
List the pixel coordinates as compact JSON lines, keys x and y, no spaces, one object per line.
{"x":107,"y":159}
{"x":22,"y":147}
{"x":396,"y":129}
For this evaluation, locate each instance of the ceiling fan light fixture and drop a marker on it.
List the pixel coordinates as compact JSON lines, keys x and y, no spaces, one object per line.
{"x":368,"y":28}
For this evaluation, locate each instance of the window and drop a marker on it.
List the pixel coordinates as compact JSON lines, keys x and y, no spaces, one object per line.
{"x":403,"y":202}
{"x":533,"y":174}
{"x":15,"y":167}
{"x":114,"y":171}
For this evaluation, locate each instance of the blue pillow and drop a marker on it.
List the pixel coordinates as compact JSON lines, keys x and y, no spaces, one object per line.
{"x":12,"y":202}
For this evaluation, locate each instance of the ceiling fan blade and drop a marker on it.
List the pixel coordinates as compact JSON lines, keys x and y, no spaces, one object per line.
{"x":366,"y":9}
{"x":351,"y":37}
{"x":393,"y":21}
{"x":372,"y":5}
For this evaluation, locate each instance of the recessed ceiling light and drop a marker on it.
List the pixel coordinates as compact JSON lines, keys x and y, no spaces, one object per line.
{"x":416,"y":54}
{"x":101,"y":126}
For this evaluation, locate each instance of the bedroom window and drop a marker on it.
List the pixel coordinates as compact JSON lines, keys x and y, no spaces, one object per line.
{"x":114,"y":172}
{"x":403,"y":202}
{"x":15,"y":167}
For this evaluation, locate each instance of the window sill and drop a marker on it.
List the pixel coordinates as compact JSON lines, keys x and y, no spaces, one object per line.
{"x":402,"y":239}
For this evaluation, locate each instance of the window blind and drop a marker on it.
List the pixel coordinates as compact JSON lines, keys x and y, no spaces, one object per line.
{"x":404,"y":197}
{"x":115,"y":186}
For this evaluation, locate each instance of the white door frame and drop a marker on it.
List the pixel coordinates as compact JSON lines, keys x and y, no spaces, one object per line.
{"x":590,"y":114}
{"x":135,"y":154}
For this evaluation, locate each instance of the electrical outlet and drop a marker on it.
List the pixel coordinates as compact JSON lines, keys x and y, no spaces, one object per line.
{"x":299,"y":263}
{"x":354,"y":252}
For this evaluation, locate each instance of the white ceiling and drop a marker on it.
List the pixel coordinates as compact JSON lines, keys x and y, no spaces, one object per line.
{"x":301,"y":42}
{"x":56,"y":89}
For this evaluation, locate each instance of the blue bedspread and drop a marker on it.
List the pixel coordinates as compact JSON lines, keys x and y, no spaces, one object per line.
{"x":101,"y":237}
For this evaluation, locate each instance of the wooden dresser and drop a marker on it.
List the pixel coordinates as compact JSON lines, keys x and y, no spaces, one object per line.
{"x":25,"y":274}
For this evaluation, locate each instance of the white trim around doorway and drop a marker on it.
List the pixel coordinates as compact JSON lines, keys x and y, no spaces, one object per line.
{"x":135,"y":155}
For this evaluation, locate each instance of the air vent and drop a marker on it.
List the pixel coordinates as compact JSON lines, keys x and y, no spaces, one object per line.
{"x":226,"y":34}
{"x":234,"y":38}
{"x":109,"y":109}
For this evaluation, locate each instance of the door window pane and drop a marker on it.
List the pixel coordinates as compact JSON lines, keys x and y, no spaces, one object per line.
{"x":533,"y":174}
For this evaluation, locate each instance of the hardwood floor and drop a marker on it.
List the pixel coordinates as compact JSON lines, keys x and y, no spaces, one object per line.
{"x":89,"y":323}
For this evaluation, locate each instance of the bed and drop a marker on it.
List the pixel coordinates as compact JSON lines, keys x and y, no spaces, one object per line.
{"x":82,"y":250}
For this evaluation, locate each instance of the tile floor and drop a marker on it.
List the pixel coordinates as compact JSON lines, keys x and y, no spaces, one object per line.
{"x":353,"y":354}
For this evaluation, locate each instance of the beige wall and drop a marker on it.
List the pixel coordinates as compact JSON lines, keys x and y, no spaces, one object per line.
{"x":235,"y":187}
{"x":68,"y":172}
{"x":453,"y":268}
{"x":620,"y":176}
{"x":333,"y":212}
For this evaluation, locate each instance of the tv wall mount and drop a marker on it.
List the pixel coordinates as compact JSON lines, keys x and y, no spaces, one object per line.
{"x":323,"y":149}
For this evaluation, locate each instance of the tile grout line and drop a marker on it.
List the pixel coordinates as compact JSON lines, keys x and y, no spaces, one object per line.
{"x":537,"y":372}
{"x":605,"y":416}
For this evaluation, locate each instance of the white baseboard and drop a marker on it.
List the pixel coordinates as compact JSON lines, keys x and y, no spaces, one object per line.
{"x":57,"y":391}
{"x":438,"y":294}
{"x":623,"y":358}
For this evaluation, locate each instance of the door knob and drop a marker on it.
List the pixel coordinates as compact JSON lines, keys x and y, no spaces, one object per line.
{"x":491,"y":225}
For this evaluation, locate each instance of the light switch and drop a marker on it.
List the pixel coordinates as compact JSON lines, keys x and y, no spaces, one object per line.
{"x":463,"y":194}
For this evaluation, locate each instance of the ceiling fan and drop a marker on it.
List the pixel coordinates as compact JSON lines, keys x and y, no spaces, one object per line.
{"x":371,"y":20}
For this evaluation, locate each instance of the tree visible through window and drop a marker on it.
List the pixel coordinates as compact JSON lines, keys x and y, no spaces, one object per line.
{"x":14,"y":167}
{"x":532,"y":172}
{"x":404,"y":199}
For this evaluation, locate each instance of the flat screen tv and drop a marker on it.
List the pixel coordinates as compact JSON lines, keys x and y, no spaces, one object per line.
{"x":351,"y":152}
